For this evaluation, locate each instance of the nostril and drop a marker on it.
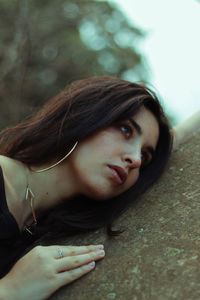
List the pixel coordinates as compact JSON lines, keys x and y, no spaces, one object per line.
{"x":128,"y":160}
{"x":134,"y":163}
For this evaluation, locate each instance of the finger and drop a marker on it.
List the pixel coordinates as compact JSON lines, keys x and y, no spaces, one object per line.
{"x":71,"y":262}
{"x":69,"y":276}
{"x":74,"y":250}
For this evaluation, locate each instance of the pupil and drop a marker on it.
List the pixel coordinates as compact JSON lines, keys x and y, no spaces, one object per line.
{"x":125,"y":129}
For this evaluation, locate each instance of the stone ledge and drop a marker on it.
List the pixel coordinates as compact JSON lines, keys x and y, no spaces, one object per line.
{"x":158,"y":255}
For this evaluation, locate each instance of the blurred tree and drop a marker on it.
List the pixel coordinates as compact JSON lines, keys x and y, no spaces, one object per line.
{"x":45,"y":45}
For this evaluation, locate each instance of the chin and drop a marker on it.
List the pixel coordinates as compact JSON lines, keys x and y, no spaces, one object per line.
{"x":101,"y":194}
{"x":98,"y":196}
{"x":100,"y":189}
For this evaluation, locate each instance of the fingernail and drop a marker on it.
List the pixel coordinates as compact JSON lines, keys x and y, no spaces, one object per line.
{"x":100,"y":247}
{"x":91,"y":265}
{"x":101,"y":253}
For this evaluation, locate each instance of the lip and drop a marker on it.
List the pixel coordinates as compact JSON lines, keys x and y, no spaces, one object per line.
{"x":119,"y":173}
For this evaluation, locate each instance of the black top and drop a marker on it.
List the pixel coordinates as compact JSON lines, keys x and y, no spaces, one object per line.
{"x":12,"y":242}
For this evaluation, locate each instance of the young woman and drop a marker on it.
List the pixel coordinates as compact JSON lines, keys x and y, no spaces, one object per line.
{"x":73,"y":167}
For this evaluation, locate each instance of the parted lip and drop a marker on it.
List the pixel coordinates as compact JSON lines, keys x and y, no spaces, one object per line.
{"x":120,"y":171}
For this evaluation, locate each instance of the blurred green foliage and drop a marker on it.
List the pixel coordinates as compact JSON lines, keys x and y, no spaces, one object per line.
{"x":45,"y":45}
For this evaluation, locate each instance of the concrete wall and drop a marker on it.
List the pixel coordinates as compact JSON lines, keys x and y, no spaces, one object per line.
{"x":158,"y":256}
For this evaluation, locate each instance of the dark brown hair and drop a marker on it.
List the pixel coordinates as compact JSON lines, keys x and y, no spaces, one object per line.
{"x":78,"y":111}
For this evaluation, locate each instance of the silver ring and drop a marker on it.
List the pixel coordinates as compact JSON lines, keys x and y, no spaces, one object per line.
{"x":60,"y":253}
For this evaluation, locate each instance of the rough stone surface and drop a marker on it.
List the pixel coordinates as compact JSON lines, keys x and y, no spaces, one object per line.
{"x":158,"y":255}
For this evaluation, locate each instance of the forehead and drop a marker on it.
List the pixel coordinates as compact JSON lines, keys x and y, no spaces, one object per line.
{"x":149,"y":126}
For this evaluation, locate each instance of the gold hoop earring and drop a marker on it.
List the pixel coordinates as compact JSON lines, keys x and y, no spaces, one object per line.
{"x":52,"y":166}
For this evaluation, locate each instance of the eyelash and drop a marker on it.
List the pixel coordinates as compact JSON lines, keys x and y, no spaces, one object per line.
{"x":130,"y":129}
{"x":146,"y":160}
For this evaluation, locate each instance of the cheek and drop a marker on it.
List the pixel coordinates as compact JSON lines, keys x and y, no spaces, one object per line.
{"x":105,"y":142}
{"x":100,"y":146}
{"x":132,"y":178}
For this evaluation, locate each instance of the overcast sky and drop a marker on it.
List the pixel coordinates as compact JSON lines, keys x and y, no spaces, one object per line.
{"x":172,"y":49}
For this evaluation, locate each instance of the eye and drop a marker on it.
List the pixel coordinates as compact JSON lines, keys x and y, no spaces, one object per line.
{"x":146,"y":159}
{"x":126,"y":129}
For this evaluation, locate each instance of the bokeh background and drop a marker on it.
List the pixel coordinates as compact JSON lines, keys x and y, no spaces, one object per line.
{"x":45,"y":45}
{"x":172,"y":50}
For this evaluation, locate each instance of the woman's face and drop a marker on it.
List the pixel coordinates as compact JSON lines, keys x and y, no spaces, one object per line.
{"x":108,"y":162}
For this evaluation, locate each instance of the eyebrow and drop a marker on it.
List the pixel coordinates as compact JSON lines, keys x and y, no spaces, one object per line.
{"x":139,"y":131}
{"x":136,"y":126}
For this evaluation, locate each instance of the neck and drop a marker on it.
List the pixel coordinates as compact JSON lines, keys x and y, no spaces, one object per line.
{"x":50,"y":188}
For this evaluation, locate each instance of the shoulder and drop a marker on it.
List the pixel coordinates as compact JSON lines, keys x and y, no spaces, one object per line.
{"x":10,"y":167}
{"x":13,"y":179}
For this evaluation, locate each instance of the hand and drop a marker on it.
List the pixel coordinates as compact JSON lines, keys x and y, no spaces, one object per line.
{"x":47,"y":268}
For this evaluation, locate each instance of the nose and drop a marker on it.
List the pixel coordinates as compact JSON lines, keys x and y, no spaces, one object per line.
{"x":132,"y":160}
